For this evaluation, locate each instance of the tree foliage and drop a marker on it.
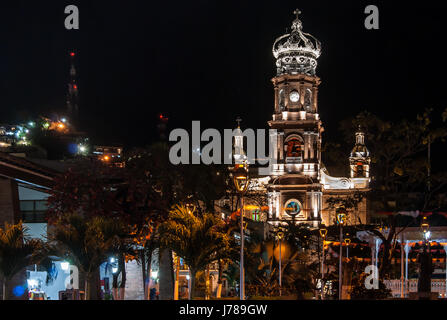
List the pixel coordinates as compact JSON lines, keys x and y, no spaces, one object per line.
{"x":196,"y":238}
{"x":88,"y":242}
{"x":17,"y":251}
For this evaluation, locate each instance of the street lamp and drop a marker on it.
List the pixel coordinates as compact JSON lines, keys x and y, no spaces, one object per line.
{"x":240,"y":180}
{"x":341,"y":219}
{"x":280,"y":235}
{"x":190,"y":206}
{"x":323,"y":233}
{"x":425,"y":229}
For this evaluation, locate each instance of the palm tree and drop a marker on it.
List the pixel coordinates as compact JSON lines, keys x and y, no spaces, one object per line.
{"x":16,"y":252}
{"x":231,"y":274}
{"x":195,"y":238}
{"x":88,"y":243}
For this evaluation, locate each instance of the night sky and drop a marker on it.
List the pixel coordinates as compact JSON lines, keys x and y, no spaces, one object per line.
{"x":212,"y":61}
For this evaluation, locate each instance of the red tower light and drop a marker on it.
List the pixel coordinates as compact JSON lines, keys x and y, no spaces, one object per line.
{"x":72,"y":54}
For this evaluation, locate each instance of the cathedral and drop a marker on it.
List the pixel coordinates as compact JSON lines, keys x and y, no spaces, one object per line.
{"x":299,"y":186}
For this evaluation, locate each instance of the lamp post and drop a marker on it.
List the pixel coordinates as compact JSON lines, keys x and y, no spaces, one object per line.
{"x":425,"y":260}
{"x":240,"y":180}
{"x":280,"y":235}
{"x":341,"y":219}
{"x":348,"y":242}
{"x":177,"y":273}
{"x":323,"y":233}
{"x":191,"y":208}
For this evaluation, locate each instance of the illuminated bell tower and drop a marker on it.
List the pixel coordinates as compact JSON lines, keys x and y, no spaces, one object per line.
{"x":359,"y":159}
{"x":239,"y":155}
{"x":295,"y":192}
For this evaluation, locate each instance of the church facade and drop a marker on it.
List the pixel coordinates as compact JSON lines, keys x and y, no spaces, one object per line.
{"x":299,"y":186}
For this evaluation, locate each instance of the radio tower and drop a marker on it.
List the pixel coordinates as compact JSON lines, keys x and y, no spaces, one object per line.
{"x":72,"y":95}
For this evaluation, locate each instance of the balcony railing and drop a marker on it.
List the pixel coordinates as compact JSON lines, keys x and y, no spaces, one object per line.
{"x":437,"y":285}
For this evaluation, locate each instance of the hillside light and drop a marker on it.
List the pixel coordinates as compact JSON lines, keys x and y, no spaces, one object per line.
{"x":82,"y":148}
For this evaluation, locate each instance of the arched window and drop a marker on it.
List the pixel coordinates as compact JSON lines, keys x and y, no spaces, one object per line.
{"x":358,"y":171}
{"x":294,"y":149}
{"x":308,"y":100}
{"x":281,"y":100}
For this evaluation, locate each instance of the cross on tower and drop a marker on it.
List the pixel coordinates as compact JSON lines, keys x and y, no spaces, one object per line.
{"x":296,"y":25}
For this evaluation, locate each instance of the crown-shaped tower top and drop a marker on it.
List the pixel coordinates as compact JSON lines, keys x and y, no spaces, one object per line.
{"x":296,"y":52}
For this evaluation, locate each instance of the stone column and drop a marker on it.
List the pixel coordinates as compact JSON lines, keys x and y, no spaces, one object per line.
{"x":306,"y":146}
{"x":166,"y":275}
{"x":281,"y":145}
{"x":276,"y":100}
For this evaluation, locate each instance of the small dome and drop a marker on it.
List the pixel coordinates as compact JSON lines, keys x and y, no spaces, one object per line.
{"x":296,"y":52}
{"x":359,"y":150}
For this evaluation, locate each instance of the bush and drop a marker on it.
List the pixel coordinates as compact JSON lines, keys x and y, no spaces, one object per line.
{"x":360,"y":292}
